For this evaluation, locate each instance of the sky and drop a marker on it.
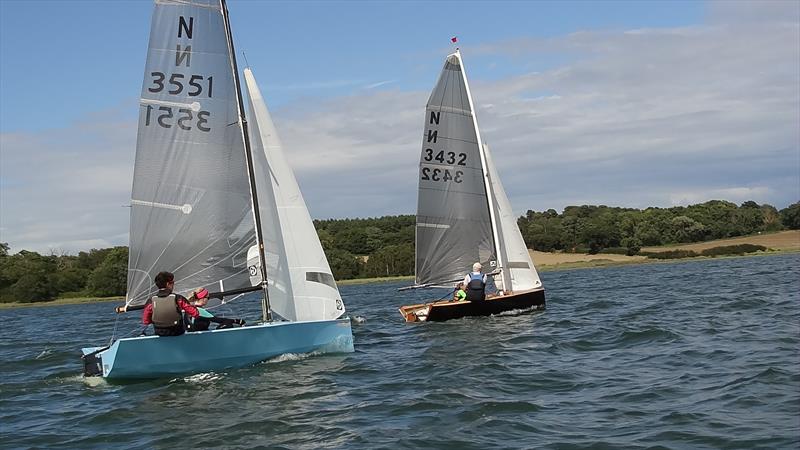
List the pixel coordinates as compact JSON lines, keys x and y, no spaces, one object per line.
{"x":630,"y":104}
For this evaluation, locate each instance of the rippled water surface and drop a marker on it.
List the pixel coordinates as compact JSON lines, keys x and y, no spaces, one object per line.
{"x":698,"y":354}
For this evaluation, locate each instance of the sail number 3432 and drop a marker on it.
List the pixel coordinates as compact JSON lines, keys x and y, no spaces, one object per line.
{"x":444,"y":175}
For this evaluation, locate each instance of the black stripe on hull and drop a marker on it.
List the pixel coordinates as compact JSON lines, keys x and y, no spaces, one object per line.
{"x":445,"y":311}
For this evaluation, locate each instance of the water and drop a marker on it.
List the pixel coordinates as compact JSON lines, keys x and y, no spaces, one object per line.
{"x":698,"y":354}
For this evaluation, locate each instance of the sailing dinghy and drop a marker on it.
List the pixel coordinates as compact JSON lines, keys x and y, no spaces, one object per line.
{"x":215,"y":202}
{"x":463,"y":213}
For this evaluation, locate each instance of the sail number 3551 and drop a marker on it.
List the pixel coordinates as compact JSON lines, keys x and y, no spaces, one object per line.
{"x":177,"y":83}
{"x":181,"y":118}
{"x":185,"y":119}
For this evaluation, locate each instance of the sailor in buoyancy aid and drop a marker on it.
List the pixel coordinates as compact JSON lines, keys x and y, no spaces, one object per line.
{"x":164,"y":310}
{"x":476,"y":284}
{"x":199,"y":299}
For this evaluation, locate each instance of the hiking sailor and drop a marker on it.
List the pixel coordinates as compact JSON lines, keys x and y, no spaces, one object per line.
{"x":476,"y":283}
{"x":164,"y":309}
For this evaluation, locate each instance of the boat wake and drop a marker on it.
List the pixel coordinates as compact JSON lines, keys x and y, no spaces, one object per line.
{"x":517,"y":312}
{"x":46,"y":352}
{"x":292,"y":357}
{"x":200,"y":378}
{"x":358,"y":320}
{"x":88,"y":381}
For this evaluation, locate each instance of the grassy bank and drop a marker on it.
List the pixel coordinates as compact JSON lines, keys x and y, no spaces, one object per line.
{"x":781,"y":242}
{"x":61,"y":301}
{"x":597,"y":263}
{"x":373,"y":280}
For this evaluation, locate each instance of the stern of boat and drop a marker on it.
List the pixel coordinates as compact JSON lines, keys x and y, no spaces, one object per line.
{"x":92,"y":361}
{"x":415,"y":313}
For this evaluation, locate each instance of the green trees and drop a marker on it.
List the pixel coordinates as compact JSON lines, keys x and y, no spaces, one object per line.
{"x":389,"y":261}
{"x":344,"y":264}
{"x":373,"y":247}
{"x":31,"y":277}
{"x":685,"y":229}
{"x":594,"y":228}
{"x":109,"y":278}
{"x":384,"y":246}
{"x":26,"y":277}
{"x":790,"y":216}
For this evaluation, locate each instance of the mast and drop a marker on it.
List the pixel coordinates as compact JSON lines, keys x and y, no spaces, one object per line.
{"x":486,"y":179}
{"x":265,"y":312}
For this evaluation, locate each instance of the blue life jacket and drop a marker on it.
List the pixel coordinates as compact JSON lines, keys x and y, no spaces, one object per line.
{"x":476,"y":289}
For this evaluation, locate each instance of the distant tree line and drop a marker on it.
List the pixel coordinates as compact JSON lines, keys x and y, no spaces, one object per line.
{"x":30,"y":277}
{"x":592,"y":229}
{"x":384,"y":246}
{"x":367,"y":248}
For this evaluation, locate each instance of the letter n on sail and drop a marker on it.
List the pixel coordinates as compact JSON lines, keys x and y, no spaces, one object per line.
{"x":184,"y":53}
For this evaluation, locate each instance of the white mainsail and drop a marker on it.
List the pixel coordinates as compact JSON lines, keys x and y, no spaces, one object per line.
{"x":454,"y":223}
{"x":301,"y":284}
{"x":191,"y":211}
{"x":517,"y":264}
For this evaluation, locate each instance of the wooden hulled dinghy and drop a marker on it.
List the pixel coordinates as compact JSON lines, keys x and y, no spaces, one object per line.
{"x":463,"y":213}
{"x":446,"y":310}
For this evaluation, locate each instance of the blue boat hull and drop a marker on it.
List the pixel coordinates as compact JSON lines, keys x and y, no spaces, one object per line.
{"x":156,"y":357}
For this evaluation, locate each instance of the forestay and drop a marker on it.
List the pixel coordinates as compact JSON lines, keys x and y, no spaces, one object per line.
{"x":191,"y":210}
{"x":453,"y":218}
{"x":516,"y":261}
{"x":301,"y":285}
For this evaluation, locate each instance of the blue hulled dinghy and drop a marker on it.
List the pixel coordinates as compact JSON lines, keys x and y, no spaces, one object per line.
{"x":215,"y":202}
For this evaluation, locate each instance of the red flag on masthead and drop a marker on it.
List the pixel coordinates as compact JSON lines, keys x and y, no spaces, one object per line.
{"x":454,"y":39}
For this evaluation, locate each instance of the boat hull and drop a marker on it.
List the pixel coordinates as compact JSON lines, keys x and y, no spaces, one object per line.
{"x":157,"y":356}
{"x":441,"y":311}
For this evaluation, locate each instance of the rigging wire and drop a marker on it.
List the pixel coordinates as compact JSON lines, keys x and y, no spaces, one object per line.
{"x":114,"y":333}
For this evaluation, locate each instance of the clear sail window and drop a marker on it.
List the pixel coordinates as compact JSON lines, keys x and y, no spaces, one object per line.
{"x":321,"y":277}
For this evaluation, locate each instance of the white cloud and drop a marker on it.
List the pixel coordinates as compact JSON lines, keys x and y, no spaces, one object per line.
{"x":314,"y":85}
{"x":635,"y":118}
{"x":734,"y":194}
{"x":645,"y":117}
{"x":379,"y":84}
{"x":63,"y":189}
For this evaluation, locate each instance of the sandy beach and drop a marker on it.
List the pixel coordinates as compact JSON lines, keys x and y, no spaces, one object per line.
{"x":781,"y":241}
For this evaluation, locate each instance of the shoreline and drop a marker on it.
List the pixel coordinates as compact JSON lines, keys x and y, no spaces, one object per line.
{"x":595,"y":263}
{"x":600,"y":263}
{"x":60,"y":301}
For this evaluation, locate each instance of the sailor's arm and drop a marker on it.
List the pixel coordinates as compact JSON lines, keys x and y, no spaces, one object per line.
{"x":126,"y":308}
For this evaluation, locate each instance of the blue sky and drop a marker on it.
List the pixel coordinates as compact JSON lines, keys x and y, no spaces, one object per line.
{"x":79,"y":57}
{"x":620,"y":103}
